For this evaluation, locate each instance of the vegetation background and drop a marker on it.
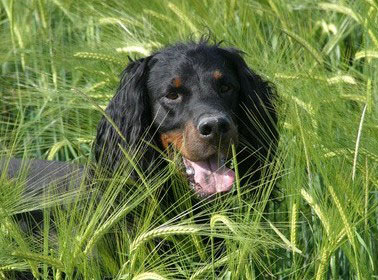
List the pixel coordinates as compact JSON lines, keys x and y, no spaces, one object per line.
{"x":61,"y":58}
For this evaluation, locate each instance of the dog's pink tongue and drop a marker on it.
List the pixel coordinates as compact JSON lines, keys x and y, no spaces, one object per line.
{"x":211,"y":177}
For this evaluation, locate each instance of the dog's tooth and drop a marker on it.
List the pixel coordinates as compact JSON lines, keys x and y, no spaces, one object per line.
{"x":189,"y":171}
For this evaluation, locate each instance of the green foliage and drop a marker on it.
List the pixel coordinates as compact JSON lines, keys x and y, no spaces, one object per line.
{"x":60,"y":57}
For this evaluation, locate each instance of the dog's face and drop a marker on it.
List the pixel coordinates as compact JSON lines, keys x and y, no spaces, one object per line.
{"x":193,"y":102}
{"x":193,"y":98}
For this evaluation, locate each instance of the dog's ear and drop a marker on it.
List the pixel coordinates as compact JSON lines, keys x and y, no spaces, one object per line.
{"x":256,"y":115}
{"x":129,"y":111}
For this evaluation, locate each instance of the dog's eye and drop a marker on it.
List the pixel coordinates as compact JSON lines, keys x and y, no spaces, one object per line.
{"x":225,"y":88}
{"x":172,"y":95}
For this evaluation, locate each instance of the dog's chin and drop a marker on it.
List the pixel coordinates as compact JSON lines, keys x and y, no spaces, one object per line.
{"x":210,"y":176}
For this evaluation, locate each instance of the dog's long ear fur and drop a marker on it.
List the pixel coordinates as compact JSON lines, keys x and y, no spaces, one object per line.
{"x":257,"y":117}
{"x":129,"y":110}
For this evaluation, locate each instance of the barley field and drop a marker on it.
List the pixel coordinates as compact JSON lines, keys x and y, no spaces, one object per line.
{"x":318,"y":219}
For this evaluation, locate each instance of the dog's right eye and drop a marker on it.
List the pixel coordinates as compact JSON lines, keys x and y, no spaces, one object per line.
{"x":172,"y":95}
{"x":225,"y":88}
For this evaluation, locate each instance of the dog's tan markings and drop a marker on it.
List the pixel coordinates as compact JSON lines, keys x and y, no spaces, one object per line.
{"x":177,"y":82}
{"x":217,"y":74}
{"x":177,"y":139}
{"x":188,"y":143}
{"x":174,"y":137}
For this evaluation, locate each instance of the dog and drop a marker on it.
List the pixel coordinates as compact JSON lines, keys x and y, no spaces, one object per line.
{"x":196,"y":100}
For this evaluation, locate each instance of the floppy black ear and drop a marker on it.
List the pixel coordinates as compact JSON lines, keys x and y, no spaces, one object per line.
{"x":256,"y":117}
{"x":130,"y":112}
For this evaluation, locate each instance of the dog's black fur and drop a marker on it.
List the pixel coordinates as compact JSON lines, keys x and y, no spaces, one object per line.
{"x":197,"y":98}
{"x":209,"y":82}
{"x":163,"y":100}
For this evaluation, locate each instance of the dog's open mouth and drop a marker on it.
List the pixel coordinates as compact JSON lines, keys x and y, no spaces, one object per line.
{"x":210,"y":176}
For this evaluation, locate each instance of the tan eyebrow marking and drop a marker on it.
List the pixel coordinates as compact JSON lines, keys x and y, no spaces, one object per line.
{"x":177,"y":82}
{"x":217,"y":75}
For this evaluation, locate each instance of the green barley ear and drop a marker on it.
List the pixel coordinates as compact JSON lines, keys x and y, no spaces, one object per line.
{"x":163,"y":231}
{"x":148,"y":276}
{"x":316,"y":208}
{"x":99,"y":57}
{"x":155,"y":233}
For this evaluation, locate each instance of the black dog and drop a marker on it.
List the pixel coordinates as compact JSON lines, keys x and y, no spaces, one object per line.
{"x":194,"y":98}
{"x":199,"y":99}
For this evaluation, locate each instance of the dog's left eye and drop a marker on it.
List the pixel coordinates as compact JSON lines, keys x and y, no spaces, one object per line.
{"x":172,"y":95}
{"x":224,"y":88}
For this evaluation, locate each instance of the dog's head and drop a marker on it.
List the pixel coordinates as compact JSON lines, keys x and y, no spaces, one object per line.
{"x":198,"y":99}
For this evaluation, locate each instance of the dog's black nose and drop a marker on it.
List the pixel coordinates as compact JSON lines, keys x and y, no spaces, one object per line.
{"x":210,"y":127}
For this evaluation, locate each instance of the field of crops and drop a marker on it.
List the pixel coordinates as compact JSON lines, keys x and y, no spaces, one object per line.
{"x":60,"y":65}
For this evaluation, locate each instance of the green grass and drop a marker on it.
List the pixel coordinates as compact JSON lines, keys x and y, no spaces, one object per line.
{"x":59,"y":58}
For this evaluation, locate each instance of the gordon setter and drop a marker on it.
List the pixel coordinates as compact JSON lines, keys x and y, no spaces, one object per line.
{"x":197,"y":99}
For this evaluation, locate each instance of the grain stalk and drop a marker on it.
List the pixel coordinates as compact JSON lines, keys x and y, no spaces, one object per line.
{"x":358,"y":143}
